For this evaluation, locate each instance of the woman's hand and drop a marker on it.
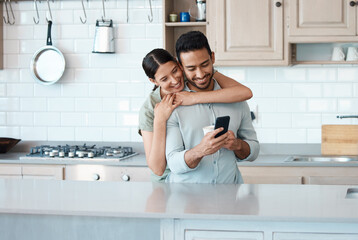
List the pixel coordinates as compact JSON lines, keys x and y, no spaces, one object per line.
{"x":186,"y":98}
{"x":164,"y":109}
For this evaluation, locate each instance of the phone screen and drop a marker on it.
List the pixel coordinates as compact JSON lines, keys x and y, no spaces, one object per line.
{"x":222,"y":122}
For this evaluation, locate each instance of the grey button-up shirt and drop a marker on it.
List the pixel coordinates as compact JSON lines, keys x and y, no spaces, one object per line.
{"x":185,"y":131}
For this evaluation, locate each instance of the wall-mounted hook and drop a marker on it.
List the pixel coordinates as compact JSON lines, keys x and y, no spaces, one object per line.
{"x":84,"y":12}
{"x":150,"y":18}
{"x":104,"y":11}
{"x":7,"y":21}
{"x":49,"y":9}
{"x":37,"y":13}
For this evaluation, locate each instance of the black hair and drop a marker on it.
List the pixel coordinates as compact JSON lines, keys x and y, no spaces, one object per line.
{"x":154,"y":59}
{"x":190,"y":41}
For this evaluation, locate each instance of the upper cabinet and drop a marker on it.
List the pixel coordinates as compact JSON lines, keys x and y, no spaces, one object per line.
{"x":322,"y":18}
{"x":246,"y":32}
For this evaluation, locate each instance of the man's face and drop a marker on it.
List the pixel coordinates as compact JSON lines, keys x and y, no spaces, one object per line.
{"x":198,"y":68}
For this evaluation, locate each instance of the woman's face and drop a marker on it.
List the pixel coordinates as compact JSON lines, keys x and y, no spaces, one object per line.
{"x":169,"y":77}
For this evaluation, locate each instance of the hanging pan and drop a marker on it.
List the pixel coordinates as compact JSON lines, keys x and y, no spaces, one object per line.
{"x":48,"y":63}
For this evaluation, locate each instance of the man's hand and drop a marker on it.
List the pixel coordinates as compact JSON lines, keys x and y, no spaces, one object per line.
{"x":240,"y":147}
{"x":208,"y":145}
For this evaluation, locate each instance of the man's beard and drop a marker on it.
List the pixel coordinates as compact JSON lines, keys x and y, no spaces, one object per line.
{"x":208,"y":84}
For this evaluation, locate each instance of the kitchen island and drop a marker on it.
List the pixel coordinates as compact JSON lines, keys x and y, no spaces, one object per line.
{"x":50,"y":209}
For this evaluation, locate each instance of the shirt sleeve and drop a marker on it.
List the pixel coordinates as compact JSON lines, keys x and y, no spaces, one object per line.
{"x":175,"y":149}
{"x":146,"y":118}
{"x":247,"y":133}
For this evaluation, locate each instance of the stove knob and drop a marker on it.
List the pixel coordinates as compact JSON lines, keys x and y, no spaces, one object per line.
{"x":46,"y":152}
{"x":61,"y":154}
{"x":71,"y":154}
{"x":51,"y":154}
{"x":126,"y":178}
{"x":96,"y":177}
{"x":80,"y":154}
{"x":90,"y":154}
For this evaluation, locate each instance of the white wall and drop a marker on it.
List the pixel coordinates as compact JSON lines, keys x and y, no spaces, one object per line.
{"x":99,"y":96}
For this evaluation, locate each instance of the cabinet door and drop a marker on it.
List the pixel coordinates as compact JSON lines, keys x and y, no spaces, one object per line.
{"x":43,"y":172}
{"x":322,"y":18}
{"x":106,"y":173}
{"x":314,"y":236}
{"x":244,"y":30}
{"x":333,"y":180}
{"x":10,"y":171}
{"x":273,"y":179}
{"x":222,"y":235}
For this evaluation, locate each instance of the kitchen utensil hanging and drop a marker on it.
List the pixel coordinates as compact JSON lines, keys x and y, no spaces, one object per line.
{"x":48,"y":63}
{"x":104,"y":36}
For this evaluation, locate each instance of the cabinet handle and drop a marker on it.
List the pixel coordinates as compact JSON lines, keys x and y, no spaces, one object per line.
{"x":352,"y":3}
{"x":278,"y":4}
{"x":126,"y":178}
{"x":96,"y":177}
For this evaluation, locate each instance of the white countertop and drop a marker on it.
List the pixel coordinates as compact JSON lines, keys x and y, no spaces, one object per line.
{"x":190,"y":201}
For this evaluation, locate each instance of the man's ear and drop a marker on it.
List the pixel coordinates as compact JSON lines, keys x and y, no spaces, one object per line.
{"x":213,"y":57}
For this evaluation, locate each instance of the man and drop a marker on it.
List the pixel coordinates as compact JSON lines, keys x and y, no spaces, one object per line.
{"x":191,"y":156}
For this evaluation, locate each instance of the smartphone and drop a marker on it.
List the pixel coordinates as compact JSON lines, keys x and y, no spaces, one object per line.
{"x":222,"y":122}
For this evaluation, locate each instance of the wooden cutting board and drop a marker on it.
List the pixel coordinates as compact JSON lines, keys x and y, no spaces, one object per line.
{"x":339,"y":140}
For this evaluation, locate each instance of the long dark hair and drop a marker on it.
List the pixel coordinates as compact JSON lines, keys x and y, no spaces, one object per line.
{"x":153,"y":60}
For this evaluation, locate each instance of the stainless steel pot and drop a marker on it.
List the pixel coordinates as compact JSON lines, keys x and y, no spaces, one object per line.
{"x":104,"y":37}
{"x":48,"y":63}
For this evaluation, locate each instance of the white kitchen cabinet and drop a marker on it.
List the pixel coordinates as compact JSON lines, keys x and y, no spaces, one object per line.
{"x":107,"y":173}
{"x":246,"y":32}
{"x":55,"y":172}
{"x":215,"y":234}
{"x":314,"y":236}
{"x":322,"y":18}
{"x":300,"y":175}
{"x":10,"y":171}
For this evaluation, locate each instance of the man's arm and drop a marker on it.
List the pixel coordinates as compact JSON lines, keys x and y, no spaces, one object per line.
{"x":245,"y":145}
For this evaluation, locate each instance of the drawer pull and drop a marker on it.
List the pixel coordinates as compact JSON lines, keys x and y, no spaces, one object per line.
{"x":126,"y":178}
{"x":96,"y":177}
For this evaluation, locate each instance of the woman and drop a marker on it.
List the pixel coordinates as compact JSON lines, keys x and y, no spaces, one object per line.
{"x":164,"y":71}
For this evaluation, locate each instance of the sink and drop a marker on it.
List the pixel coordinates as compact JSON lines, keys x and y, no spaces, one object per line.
{"x":322,"y":159}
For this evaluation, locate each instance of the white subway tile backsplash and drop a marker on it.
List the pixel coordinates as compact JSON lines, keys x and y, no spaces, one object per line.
{"x":47,"y":119}
{"x":116,"y":104}
{"x":2,"y":119}
{"x":291,"y":136}
{"x":53,"y":90}
{"x":9,"y":104}
{"x":321,"y":74}
{"x":102,"y":90}
{"x":74,"y":90}
{"x":322,"y":105}
{"x":277,"y":90}
{"x":307,"y":90}
{"x":99,"y":95}
{"x":61,"y":104}
{"x":34,"y":133}
{"x":314,"y":136}
{"x":290,"y":75}
{"x":302,"y":120}
{"x":20,"y":90}
{"x":11,"y":47}
{"x":89,"y":134}
{"x":347,"y":105}
{"x":337,"y":90}
{"x":116,"y":134}
{"x":291,"y":105}
{"x":348,"y":74}
{"x":20,"y":118}
{"x":12,"y":132}
{"x":276,"y":120}
{"x":61,"y":134}
{"x":88,"y":104}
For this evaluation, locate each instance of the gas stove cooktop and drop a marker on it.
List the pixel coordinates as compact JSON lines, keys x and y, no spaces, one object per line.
{"x":79,"y":152}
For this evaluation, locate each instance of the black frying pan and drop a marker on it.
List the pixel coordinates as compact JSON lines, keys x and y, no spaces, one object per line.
{"x":48,"y":63}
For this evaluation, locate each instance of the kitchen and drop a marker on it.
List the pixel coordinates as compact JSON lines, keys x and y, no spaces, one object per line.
{"x":98,"y":98}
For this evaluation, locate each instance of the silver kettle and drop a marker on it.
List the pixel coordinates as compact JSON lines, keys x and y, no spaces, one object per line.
{"x":104,"y":37}
{"x":201,"y":5}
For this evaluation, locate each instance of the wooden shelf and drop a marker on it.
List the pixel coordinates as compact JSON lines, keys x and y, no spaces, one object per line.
{"x":184,"y":24}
